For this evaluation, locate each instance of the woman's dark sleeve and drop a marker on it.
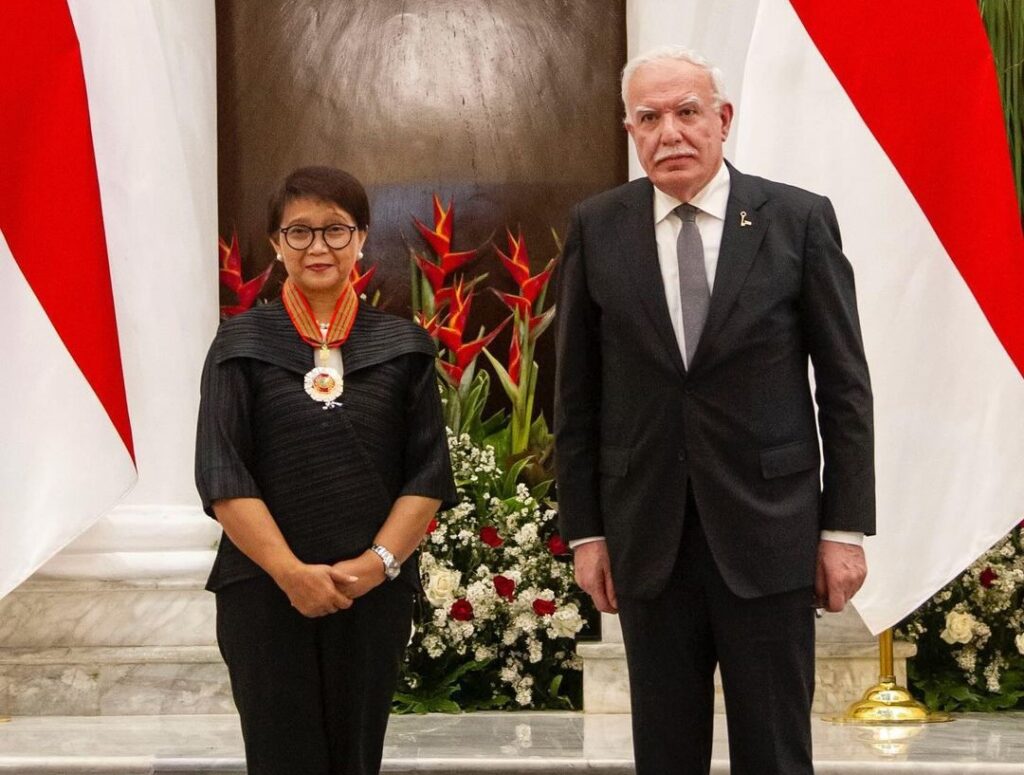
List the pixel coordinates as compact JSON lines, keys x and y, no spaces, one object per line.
{"x":428,"y":467}
{"x":224,"y":445}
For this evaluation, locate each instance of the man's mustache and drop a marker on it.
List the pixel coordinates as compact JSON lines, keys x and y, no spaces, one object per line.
{"x":674,"y":151}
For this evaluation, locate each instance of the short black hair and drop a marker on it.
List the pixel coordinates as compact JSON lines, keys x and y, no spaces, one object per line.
{"x":326,"y":184}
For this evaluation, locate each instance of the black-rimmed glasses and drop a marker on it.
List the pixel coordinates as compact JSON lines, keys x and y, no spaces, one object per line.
{"x":336,"y":235}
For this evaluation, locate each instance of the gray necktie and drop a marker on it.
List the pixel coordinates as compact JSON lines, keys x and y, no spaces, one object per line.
{"x":693,"y":279}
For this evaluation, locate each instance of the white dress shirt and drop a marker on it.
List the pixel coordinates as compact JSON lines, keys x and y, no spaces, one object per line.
{"x":711,"y":202}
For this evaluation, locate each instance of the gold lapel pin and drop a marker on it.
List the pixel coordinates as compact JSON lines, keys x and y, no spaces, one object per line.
{"x":743,"y":219}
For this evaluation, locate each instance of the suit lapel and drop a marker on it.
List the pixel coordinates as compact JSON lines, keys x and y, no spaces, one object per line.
{"x":742,"y":234}
{"x":638,"y":240}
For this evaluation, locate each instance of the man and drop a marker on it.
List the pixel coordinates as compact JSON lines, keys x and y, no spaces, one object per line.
{"x":687,"y":452}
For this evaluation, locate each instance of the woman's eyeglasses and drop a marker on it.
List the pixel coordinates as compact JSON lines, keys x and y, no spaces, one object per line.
{"x":336,"y":235}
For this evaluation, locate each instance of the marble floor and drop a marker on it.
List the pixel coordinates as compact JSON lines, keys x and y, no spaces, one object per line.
{"x":494,"y":743}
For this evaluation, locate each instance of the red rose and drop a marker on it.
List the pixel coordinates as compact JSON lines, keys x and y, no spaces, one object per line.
{"x":987,"y":577}
{"x":505,"y":587}
{"x":432,"y":526}
{"x":489,"y":535}
{"x":543,"y":607}
{"x":557,"y":545}
{"x":461,"y":610}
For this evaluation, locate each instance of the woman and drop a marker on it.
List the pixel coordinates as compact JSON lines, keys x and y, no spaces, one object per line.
{"x":321,"y":450}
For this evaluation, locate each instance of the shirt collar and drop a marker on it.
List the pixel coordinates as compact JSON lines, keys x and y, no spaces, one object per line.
{"x":712,"y":199}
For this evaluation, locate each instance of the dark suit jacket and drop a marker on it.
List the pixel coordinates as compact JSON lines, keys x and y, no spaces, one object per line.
{"x":633,"y":425}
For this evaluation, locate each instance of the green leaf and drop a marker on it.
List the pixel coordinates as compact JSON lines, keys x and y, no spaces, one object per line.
{"x":444,"y":706}
{"x":510,"y":388}
{"x":540,"y":490}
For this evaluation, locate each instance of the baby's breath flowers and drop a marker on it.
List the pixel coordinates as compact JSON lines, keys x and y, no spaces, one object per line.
{"x":501,"y":613}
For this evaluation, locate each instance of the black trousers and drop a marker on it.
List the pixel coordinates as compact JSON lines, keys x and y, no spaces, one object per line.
{"x":764,"y":648}
{"x":313,"y":695}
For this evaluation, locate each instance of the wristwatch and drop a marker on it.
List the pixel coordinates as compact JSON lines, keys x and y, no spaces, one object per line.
{"x":391,"y":565}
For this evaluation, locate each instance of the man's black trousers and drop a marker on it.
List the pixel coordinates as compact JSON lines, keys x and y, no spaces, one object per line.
{"x":764,"y":648}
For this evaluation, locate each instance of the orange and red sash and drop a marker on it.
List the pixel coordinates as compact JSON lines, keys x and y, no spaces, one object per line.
{"x":301,"y":313}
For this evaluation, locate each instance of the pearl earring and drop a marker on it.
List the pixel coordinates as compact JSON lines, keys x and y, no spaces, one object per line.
{"x":280,"y":257}
{"x":360,"y":254}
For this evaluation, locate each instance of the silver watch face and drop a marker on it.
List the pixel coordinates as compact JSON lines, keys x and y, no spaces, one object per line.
{"x":391,"y":566}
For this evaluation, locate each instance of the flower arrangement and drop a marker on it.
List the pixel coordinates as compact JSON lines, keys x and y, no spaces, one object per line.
{"x":970,"y":635}
{"x":500,"y":614}
{"x":497,"y":624}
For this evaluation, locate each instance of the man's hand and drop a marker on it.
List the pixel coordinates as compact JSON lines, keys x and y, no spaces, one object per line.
{"x":312,"y":590}
{"x":594,"y":575}
{"x":841,"y":571}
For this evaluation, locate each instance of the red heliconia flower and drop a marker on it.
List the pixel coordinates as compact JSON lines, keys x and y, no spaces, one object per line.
{"x":440,"y":238}
{"x":361,"y":280}
{"x":542,"y":319}
{"x":433,"y":273}
{"x":540,"y":323}
{"x":532,"y":287}
{"x":231,"y":276}
{"x":518,"y":263}
{"x":519,"y":304}
{"x":465,"y":353}
{"x":230,"y":262}
{"x":515,"y":358}
{"x":453,"y":371}
{"x":451,"y":333}
{"x":459,"y":306}
{"x":489,"y":535}
{"x":430,"y":326}
{"x":461,"y":610}
{"x":986,"y":577}
{"x":449,"y":337}
{"x":431,"y":526}
{"x":557,"y":545}
{"x":543,"y":607}
{"x":505,"y":587}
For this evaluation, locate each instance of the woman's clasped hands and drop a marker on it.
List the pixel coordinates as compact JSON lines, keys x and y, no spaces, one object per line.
{"x":319,"y":590}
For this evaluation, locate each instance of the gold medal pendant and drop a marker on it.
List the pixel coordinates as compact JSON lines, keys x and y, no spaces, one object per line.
{"x":324,"y":384}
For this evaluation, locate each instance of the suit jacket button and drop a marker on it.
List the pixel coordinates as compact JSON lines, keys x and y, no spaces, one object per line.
{"x":682,"y":457}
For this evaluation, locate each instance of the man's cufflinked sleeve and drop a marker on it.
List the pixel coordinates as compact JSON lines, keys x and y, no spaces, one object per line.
{"x":842,"y":386}
{"x":224,"y":442}
{"x":577,"y":393}
{"x":428,"y":467}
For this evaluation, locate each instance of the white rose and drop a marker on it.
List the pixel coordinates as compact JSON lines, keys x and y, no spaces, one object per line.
{"x":1019,"y":641}
{"x":442,"y":584}
{"x":565,"y":622}
{"x":959,"y":627}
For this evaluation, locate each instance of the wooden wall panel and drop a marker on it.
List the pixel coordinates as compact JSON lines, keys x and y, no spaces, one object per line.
{"x":509,"y":106}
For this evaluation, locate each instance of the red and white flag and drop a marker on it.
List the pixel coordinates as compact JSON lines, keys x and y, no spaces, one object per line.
{"x":892,"y":110}
{"x":67,"y":453}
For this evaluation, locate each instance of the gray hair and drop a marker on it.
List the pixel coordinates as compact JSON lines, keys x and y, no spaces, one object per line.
{"x":681,"y":54}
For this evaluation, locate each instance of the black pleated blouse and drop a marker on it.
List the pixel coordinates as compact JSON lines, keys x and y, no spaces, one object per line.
{"x":328,"y":477}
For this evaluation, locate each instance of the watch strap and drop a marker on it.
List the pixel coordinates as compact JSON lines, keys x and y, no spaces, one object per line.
{"x":391,"y":566}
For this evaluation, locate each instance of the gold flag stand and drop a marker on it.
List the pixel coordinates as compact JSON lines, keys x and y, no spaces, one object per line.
{"x":4,"y":719}
{"x":886,"y":702}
